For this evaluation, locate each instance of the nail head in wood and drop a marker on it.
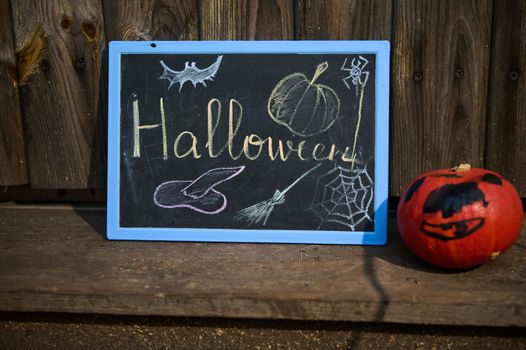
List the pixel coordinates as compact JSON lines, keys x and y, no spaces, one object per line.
{"x":418,"y":76}
{"x":80,"y":63}
{"x":514,"y":75}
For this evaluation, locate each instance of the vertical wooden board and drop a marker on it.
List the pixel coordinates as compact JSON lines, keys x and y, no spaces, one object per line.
{"x":271,"y":20}
{"x":506,"y":133}
{"x":12,"y":156}
{"x":440,"y":57}
{"x":151,"y":20}
{"x":246,"y":19}
{"x":343,"y":20}
{"x":147,"y":20}
{"x":60,"y":44}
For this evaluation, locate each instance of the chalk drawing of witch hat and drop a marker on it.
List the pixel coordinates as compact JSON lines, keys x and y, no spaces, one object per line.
{"x":199,"y":194}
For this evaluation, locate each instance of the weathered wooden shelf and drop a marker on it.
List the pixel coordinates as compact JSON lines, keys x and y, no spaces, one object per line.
{"x":56,"y":259}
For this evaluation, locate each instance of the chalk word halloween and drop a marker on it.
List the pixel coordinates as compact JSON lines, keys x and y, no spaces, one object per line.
{"x":252,"y":146}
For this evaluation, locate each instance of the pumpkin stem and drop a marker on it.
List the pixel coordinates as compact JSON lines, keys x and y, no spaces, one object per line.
{"x":322,"y":67}
{"x":462,"y":167}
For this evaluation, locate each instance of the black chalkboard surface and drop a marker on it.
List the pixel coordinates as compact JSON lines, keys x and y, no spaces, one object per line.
{"x":240,"y":144}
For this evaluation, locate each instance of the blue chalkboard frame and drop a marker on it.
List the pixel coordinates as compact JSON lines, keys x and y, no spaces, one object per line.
{"x":377,"y":237}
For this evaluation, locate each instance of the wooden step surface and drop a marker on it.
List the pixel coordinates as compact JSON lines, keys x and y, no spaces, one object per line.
{"x":57,"y":259}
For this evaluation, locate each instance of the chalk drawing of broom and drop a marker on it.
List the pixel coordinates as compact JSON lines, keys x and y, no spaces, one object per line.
{"x":260,"y":212}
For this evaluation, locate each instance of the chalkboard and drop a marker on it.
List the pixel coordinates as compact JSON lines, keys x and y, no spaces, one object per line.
{"x":248,"y":141}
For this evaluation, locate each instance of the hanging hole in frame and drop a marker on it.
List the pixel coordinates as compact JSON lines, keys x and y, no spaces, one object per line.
{"x":153,"y":45}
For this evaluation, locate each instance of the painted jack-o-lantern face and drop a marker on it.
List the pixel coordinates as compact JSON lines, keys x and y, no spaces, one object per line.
{"x":459,"y":218}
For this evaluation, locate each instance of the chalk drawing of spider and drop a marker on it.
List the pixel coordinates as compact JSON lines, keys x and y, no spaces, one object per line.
{"x":356,"y":72}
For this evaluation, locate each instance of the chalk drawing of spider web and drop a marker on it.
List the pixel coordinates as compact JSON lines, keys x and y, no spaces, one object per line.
{"x":344,"y":197}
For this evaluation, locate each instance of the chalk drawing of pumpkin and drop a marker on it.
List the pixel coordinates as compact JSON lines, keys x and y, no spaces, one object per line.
{"x":304,"y":107}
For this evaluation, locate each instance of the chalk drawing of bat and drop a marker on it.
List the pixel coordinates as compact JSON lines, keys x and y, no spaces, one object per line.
{"x":190,"y":73}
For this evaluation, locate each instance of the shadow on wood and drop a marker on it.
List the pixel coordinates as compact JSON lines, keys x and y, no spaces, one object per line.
{"x":92,"y":218}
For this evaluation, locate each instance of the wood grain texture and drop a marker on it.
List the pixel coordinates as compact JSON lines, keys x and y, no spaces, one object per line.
{"x":343,"y":20}
{"x":246,"y":20}
{"x":506,"y":136}
{"x":12,"y":155}
{"x":26,"y":194}
{"x":57,"y":259}
{"x":60,"y":45}
{"x":440,"y":65}
{"x":151,"y":20}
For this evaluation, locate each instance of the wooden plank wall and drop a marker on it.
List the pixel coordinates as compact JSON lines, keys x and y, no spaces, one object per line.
{"x":506,"y":138}
{"x":458,"y":68}
{"x":440,"y":71}
{"x":59,"y":45}
{"x":12,"y":156}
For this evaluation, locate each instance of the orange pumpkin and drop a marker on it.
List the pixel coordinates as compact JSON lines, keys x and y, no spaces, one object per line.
{"x":459,"y":218}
